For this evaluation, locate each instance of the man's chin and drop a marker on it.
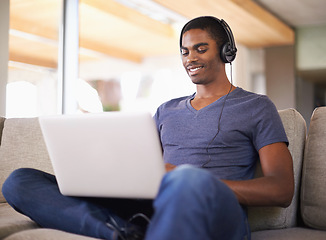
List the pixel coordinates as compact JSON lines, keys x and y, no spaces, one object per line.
{"x":195,"y":80}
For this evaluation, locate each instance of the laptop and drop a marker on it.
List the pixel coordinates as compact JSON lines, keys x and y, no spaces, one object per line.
{"x":113,"y":154}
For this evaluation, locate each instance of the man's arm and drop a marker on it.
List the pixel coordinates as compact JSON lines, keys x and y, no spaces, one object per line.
{"x":276,"y":187}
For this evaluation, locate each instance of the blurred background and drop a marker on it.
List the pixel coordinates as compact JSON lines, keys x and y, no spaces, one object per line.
{"x":70,"y":56}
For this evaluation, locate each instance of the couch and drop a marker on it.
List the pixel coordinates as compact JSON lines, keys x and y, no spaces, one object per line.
{"x":22,"y":145}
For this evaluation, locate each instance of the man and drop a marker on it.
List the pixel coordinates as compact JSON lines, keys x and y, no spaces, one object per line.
{"x":215,"y":137}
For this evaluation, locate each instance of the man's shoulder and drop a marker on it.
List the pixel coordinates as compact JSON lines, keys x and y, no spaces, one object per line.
{"x":240,"y":92}
{"x":247,"y":96}
{"x":251,"y":104}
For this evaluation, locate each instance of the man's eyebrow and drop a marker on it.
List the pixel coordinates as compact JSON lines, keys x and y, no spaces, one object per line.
{"x":196,"y":45}
{"x":200,"y":44}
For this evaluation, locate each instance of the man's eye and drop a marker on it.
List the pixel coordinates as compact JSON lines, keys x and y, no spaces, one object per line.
{"x":184,"y":52}
{"x":202,"y":50}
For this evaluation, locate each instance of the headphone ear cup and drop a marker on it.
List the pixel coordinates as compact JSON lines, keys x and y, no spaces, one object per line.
{"x":227,"y":55}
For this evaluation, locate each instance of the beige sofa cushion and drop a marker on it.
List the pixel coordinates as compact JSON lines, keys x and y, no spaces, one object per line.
{"x":46,"y":234}
{"x":263,"y":218}
{"x":22,"y":146}
{"x":313,"y":191}
{"x":296,"y":233}
{"x":12,"y":221}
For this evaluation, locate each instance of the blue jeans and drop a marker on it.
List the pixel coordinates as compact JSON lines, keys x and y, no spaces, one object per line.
{"x":191,"y":204}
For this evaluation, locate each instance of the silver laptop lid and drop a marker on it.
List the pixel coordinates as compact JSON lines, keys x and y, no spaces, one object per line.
{"x":115,"y":154}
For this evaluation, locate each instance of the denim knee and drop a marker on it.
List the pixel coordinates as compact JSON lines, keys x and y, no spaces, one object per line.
{"x":18,"y":183}
{"x":191,"y":182}
{"x":192,"y":202}
{"x":188,"y":178}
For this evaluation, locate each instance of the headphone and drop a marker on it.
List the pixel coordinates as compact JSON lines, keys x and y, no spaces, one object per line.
{"x":228,"y":50}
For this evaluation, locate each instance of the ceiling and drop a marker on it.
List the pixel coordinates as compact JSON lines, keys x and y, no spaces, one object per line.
{"x":297,"y":13}
{"x":135,"y":29}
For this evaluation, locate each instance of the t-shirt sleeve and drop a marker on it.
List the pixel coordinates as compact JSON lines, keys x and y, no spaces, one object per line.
{"x":269,"y":127}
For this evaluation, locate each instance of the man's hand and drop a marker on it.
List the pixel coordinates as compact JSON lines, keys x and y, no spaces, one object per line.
{"x":169,"y":167}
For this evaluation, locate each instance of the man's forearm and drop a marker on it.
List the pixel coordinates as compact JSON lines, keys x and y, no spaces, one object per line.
{"x":264,"y":191}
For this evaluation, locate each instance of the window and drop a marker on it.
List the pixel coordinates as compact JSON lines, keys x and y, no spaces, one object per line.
{"x":33,"y":51}
{"x":130,"y":54}
{"x":128,"y":57}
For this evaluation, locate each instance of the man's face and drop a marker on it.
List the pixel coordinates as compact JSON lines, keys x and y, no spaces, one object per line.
{"x":200,"y":56}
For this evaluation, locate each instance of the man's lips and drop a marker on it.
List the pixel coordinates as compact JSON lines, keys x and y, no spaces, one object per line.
{"x":193,"y":70}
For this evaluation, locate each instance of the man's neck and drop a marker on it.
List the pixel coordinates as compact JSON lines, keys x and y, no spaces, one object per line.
{"x":213,"y":90}
{"x":205,"y":96}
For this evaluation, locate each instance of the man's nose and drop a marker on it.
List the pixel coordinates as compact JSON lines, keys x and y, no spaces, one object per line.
{"x":192,"y":57}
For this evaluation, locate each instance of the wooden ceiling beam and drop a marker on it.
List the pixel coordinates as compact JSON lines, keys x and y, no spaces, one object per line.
{"x":90,"y":50}
{"x":31,"y":59}
{"x":251,"y":25}
{"x":119,"y":27}
{"x":39,"y":17}
{"x":46,"y":37}
{"x":49,"y":33}
{"x":23,"y":25}
{"x":110,"y":50}
{"x":268,"y":25}
{"x":132,"y":16}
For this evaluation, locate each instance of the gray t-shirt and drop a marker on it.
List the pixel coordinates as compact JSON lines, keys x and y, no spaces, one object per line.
{"x":249,"y":122}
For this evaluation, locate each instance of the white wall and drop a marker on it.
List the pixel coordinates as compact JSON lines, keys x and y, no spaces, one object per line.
{"x":280,"y":76}
{"x":249,"y":71}
{"x":310,"y":65}
{"x":241,"y":69}
{"x":311,"y":48}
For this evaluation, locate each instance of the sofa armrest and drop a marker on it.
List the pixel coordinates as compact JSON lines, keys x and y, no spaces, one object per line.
{"x":263,"y":218}
{"x":313,"y":191}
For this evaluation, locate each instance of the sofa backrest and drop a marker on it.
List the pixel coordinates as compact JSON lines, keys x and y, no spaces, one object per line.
{"x":262,"y":218}
{"x":313,"y":189}
{"x":22,"y":145}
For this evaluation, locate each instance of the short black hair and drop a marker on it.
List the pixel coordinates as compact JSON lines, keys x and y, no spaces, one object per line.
{"x":210,"y":24}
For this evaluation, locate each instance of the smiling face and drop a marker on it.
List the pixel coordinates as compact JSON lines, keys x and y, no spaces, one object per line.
{"x":200,"y":56}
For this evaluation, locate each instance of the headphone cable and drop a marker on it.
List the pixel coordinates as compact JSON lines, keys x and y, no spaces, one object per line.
{"x":218,"y":124}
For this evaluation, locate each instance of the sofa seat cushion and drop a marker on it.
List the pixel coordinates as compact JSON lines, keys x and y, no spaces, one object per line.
{"x":22,"y":145}
{"x":12,"y":221}
{"x":46,"y":234}
{"x":289,"y":234}
{"x":313,"y":189}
